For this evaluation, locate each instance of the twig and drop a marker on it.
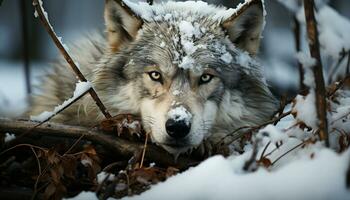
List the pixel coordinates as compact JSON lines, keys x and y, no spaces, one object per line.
{"x":338,"y":85}
{"x":64,"y":107}
{"x":297,"y":33}
{"x":54,"y":114}
{"x":114,"y":145}
{"x":336,"y":67}
{"x":249,"y":163}
{"x":36,"y":190}
{"x":37,"y":160}
{"x":144,"y":150}
{"x":321,"y":103}
{"x":265,"y":148}
{"x":20,"y":145}
{"x":25,"y":45}
{"x":290,"y":150}
{"x":251,"y":128}
{"x":75,"y":143}
{"x":150,"y":2}
{"x":68,"y":58}
{"x":348,"y":64}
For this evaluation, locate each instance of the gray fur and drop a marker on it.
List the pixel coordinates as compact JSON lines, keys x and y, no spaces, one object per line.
{"x":237,"y":96}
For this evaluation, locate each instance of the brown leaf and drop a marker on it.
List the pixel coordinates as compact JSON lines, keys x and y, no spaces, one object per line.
{"x":171,"y":171}
{"x":343,"y":142}
{"x":121,"y":123}
{"x":89,"y":149}
{"x":51,"y":156}
{"x":69,"y":164}
{"x":148,"y":175}
{"x":265,"y":162}
{"x":49,"y":191}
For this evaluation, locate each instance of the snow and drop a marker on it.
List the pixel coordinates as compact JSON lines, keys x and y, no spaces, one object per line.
{"x":305,"y":109}
{"x":273,"y":133}
{"x":80,"y":89}
{"x":244,"y":59}
{"x":9,"y":137}
{"x":226,"y":57}
{"x":189,"y":28}
{"x":177,"y":92}
{"x":307,"y":62}
{"x":180,"y":113}
{"x":322,"y":177}
{"x":334,"y":31}
{"x":103,"y":175}
{"x":305,"y":59}
{"x":188,"y":32}
{"x":86,"y":162}
{"x":162,"y":11}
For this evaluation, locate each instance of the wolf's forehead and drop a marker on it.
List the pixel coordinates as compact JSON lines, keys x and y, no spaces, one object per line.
{"x":189,"y":43}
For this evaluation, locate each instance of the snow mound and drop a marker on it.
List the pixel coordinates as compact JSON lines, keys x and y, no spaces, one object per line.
{"x":216,"y":178}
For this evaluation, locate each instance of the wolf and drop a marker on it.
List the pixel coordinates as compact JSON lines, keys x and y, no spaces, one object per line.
{"x":188,"y":69}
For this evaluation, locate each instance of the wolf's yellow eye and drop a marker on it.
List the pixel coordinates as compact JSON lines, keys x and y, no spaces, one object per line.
{"x":205,"y":78}
{"x":155,"y":76}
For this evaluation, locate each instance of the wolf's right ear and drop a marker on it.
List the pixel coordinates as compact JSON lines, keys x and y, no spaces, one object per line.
{"x":244,"y":27}
{"x":121,"y":23}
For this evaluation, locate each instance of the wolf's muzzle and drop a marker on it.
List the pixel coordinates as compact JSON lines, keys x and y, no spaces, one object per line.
{"x":177,"y":129}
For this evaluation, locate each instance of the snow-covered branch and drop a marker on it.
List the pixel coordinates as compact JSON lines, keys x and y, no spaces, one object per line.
{"x":40,"y":12}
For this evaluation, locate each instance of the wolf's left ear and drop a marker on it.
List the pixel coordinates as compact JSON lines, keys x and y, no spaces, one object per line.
{"x":121,"y":23}
{"x":245,"y":26}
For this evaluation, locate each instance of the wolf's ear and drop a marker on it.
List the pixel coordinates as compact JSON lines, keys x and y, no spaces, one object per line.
{"x":245,"y":26}
{"x":121,"y":24}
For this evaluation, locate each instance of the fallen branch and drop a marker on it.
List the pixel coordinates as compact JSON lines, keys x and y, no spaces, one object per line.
{"x":115,"y":145}
{"x":321,"y":103}
{"x":40,"y":12}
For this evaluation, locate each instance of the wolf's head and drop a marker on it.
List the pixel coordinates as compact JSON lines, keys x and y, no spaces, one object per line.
{"x":176,"y":62}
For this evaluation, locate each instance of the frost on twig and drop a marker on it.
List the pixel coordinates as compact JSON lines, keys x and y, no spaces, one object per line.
{"x":43,"y":16}
{"x":80,"y":90}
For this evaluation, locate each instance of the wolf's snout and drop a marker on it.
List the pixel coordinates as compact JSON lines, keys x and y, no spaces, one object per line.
{"x":177,"y":129}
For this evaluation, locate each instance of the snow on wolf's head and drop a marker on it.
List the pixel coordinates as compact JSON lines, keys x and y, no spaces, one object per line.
{"x":178,"y":61}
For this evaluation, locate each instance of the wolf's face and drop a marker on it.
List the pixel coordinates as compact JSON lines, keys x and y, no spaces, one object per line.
{"x":182,"y":62}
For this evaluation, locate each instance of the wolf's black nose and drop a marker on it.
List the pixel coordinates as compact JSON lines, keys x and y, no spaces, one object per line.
{"x":177,"y":129}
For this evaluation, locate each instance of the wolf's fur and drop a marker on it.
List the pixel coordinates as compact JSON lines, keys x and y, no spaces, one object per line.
{"x":119,"y":67}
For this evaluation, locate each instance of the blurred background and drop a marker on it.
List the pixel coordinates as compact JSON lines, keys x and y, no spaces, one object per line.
{"x":74,"y":19}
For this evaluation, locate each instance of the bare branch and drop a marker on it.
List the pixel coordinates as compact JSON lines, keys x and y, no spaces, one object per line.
{"x":321,"y":103}
{"x":66,"y":55}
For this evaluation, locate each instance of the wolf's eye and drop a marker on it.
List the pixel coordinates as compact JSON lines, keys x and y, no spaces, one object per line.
{"x":205,"y":78}
{"x":155,"y":76}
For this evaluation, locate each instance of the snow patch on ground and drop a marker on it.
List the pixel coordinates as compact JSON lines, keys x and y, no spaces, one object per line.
{"x":320,"y":178}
